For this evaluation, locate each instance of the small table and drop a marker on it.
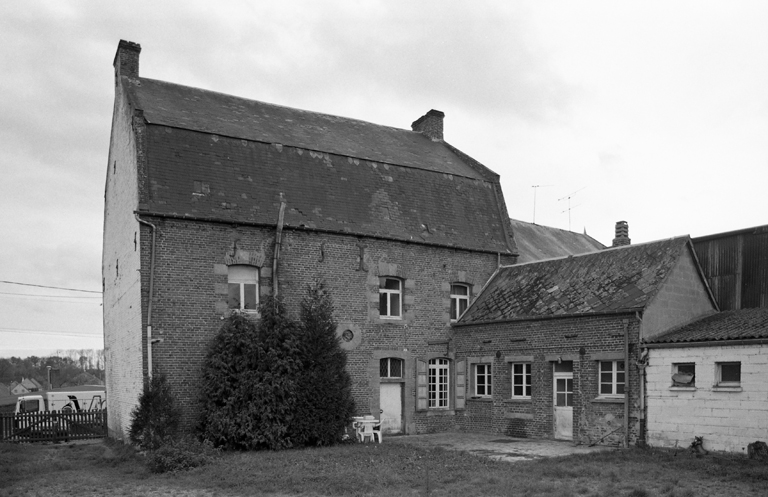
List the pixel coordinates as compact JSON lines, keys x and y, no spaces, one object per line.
{"x":360,"y":424}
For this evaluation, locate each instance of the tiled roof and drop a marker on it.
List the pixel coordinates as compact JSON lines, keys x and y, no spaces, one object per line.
{"x":616,"y":279}
{"x":216,"y":156}
{"x":217,"y":113}
{"x":536,"y":242}
{"x":728,"y":325}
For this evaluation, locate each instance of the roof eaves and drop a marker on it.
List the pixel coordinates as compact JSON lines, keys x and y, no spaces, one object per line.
{"x":615,"y":312}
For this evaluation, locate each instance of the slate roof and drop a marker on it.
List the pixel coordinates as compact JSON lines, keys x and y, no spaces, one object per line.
{"x":335,"y":174}
{"x":535,"y":242}
{"x":616,"y":279}
{"x":738,"y":324}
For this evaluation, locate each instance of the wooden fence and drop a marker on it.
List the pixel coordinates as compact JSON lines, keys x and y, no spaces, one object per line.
{"x":53,"y":426}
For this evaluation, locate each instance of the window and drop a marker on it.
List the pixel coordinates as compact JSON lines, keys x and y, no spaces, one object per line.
{"x":390,"y":293}
{"x":459,"y":300}
{"x":684,"y":374}
{"x":728,"y":374}
{"x":611,"y":378}
{"x":521,"y":380}
{"x":389,"y":367}
{"x":482,"y":380}
{"x":243,"y":287}
{"x":438,"y":383}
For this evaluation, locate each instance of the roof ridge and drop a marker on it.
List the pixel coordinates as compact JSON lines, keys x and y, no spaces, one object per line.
{"x":281,"y":106}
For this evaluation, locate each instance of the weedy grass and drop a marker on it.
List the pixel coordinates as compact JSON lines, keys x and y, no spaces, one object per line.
{"x":378,"y":469}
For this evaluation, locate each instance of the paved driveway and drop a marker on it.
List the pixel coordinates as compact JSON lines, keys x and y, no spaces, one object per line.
{"x":498,"y":447}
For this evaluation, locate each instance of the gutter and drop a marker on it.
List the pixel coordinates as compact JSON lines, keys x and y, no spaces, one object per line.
{"x":150,"y":340}
{"x":710,"y":343}
{"x":544,"y":318}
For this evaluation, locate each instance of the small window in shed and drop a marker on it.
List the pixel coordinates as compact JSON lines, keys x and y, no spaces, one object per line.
{"x":684,"y":374}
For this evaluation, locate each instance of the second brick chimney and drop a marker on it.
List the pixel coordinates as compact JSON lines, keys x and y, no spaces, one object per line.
{"x":622,"y":234}
{"x":430,"y":125}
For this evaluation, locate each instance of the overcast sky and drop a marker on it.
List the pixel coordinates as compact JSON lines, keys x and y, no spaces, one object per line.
{"x":651,"y":112}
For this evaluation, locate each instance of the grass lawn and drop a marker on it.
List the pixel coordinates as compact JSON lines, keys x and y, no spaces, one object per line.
{"x":372,"y":469}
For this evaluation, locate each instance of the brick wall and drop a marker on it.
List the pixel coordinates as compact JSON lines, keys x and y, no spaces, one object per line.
{"x":681,"y":299}
{"x":583,"y":340}
{"x":189,"y":301}
{"x":121,"y":271}
{"x":727,"y":418}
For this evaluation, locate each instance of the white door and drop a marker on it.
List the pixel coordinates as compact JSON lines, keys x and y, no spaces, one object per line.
{"x":563,"y":400}
{"x":391,"y":404}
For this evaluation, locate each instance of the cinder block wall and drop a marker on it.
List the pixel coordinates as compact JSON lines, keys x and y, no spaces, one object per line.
{"x":593,"y":418}
{"x":121,"y":272}
{"x":727,"y":419}
{"x":190,"y":297}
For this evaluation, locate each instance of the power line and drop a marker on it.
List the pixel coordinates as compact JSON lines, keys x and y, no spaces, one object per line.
{"x":27,"y":331}
{"x":45,"y":286}
{"x":58,"y":296}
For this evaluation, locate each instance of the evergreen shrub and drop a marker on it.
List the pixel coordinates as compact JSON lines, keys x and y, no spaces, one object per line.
{"x":277,"y":382}
{"x":156,"y":418}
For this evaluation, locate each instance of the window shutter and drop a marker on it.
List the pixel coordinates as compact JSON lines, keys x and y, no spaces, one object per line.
{"x":421,"y":385}
{"x":461,"y":384}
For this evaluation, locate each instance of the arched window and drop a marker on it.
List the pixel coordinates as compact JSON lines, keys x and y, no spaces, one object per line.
{"x":459,"y":300}
{"x":243,"y":287}
{"x":391,"y":367}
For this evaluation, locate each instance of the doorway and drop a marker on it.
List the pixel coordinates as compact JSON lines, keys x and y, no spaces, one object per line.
{"x":391,"y":405}
{"x":563,"y":399}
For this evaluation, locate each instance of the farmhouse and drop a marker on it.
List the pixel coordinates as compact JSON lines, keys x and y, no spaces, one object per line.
{"x":552,"y":348}
{"x":213,"y":201}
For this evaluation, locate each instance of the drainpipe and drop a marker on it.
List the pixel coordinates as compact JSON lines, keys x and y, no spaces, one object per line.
{"x":151,"y":295}
{"x":626,"y":383}
{"x":278,"y":242}
{"x":642,"y":363}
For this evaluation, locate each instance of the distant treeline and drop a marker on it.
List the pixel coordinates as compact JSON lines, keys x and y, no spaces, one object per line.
{"x":67,"y":368}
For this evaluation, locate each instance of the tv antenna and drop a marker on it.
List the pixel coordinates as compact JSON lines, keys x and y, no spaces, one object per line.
{"x":568,"y":210}
{"x":535,"y":188}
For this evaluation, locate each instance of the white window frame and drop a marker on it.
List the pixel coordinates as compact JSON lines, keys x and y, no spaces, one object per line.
{"x":526,"y":376}
{"x":719,"y":374}
{"x":388,"y":294}
{"x":439,"y":383}
{"x":242,"y":275}
{"x":614,"y":383}
{"x":675,"y":370}
{"x":482,"y":371}
{"x":457,"y":299}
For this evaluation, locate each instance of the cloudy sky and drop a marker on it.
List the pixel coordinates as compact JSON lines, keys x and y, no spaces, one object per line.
{"x":651,"y":112}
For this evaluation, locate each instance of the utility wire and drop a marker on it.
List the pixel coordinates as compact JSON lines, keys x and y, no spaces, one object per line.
{"x":45,"y":286}
{"x":58,"y":296}
{"x":48,"y":332}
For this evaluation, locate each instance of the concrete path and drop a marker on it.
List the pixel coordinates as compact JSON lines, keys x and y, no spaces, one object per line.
{"x":499,"y":447}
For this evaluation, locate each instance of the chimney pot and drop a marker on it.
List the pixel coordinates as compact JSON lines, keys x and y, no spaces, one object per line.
{"x":622,"y":234}
{"x":126,"y":61}
{"x":430,"y":125}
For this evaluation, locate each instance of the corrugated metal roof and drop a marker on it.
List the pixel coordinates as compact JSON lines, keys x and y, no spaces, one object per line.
{"x":536,"y":242}
{"x":738,"y":324}
{"x":612,"y":280}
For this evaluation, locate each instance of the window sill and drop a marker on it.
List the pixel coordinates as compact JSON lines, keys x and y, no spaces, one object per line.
{"x":683,"y":389}
{"x":609,"y":400}
{"x":521,"y":400}
{"x":727,"y":388}
{"x":481,"y":399}
{"x":441,"y":412}
{"x":391,"y":380}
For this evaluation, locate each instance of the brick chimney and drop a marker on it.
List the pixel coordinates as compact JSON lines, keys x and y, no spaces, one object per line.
{"x":622,"y":234}
{"x":126,"y":61}
{"x":430,"y":125}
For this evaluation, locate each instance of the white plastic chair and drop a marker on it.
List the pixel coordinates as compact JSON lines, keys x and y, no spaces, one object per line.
{"x":367,"y":431}
{"x":376,"y":430}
